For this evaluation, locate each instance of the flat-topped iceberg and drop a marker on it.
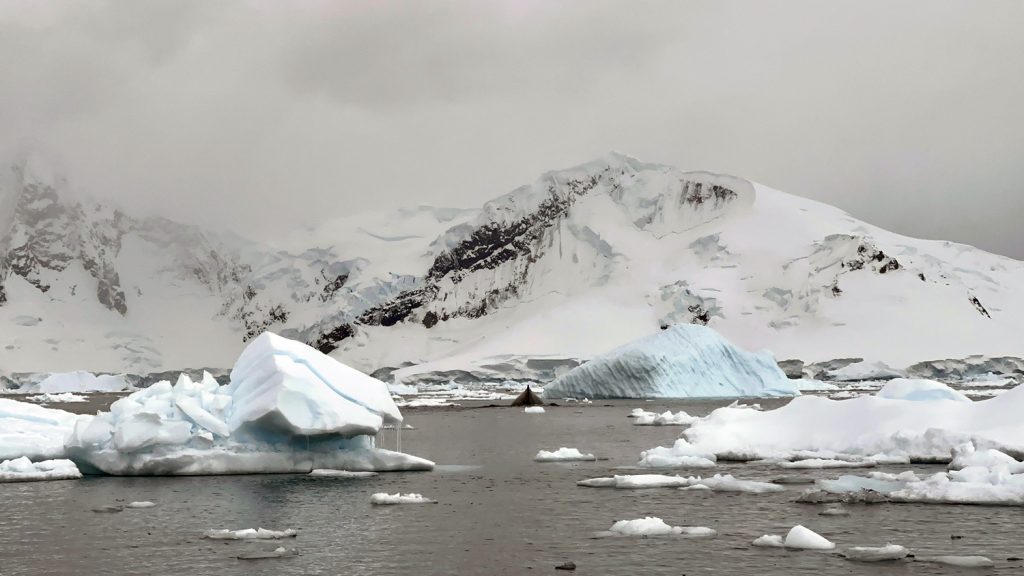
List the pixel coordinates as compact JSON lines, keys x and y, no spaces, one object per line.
{"x":911,"y":421}
{"x":288,"y":408}
{"x":683,"y":361}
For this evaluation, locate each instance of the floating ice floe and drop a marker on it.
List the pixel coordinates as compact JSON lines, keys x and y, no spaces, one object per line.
{"x":993,"y":485}
{"x":140,"y":504}
{"x":718,"y":483}
{"x":683,"y":361}
{"x":679,"y":455}
{"x":820,"y":463}
{"x":880,"y":554}
{"x":279,"y":552}
{"x":534,"y":409}
{"x":563,"y":455}
{"x":959,"y":561}
{"x":654,"y":526}
{"x":24,"y":470}
{"x":879,"y":428}
{"x":803,"y":538}
{"x":288,"y":408}
{"x":769,"y":541}
{"x":642,"y":417}
{"x":325,"y":473}
{"x":425,"y":403}
{"x":250,"y":534}
{"x":382,"y":498}
{"x":51,"y":397}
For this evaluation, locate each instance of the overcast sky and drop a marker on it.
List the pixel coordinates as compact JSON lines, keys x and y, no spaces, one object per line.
{"x":262,"y":115}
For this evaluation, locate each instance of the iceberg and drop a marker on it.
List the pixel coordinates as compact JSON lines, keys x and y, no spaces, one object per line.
{"x":24,"y":470}
{"x":80,"y":381}
{"x":879,"y":428}
{"x":683,"y":361}
{"x":863,"y":370}
{"x":34,"y":431}
{"x":919,"y":389}
{"x":288,"y":409}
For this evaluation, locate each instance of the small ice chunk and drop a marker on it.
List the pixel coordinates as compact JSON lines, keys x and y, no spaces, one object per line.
{"x":728,"y":483}
{"x":381,"y":498}
{"x":534,"y":409}
{"x":654,"y":526}
{"x":919,"y":390}
{"x":960,"y":561}
{"x":250,"y":534}
{"x":279,"y":552}
{"x":140,"y":504}
{"x":326,"y":473}
{"x":563,"y":455}
{"x":822,"y":463}
{"x":880,"y":554}
{"x":769,"y":541}
{"x":636,"y":481}
{"x":806,"y":539}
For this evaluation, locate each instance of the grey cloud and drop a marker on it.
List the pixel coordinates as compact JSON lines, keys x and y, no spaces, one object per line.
{"x":260,"y":116}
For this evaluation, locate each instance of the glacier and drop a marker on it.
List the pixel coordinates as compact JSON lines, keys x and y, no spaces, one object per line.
{"x":683,"y":361}
{"x":287,"y":409}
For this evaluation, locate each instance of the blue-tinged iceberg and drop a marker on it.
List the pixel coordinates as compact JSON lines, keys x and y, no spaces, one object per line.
{"x":288,"y":408}
{"x":684,"y":361}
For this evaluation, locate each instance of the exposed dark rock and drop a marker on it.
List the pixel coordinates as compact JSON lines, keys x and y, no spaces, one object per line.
{"x":327,"y":342}
{"x":977,"y":306}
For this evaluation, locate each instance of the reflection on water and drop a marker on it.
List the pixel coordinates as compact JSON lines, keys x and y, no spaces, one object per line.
{"x":499,"y":512}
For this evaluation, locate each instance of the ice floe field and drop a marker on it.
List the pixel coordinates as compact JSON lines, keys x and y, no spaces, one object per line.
{"x":497,"y":510}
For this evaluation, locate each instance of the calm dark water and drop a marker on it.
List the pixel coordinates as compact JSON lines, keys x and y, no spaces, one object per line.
{"x":498,"y":513}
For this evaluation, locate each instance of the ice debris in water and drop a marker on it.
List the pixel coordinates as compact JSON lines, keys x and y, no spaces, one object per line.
{"x":250,"y":534}
{"x":50,"y":397}
{"x":806,"y":539}
{"x":279,"y":552}
{"x":24,"y":470}
{"x":534,"y":409}
{"x":654,"y":526}
{"x":325,"y":473}
{"x":563,"y":455}
{"x":642,"y":417}
{"x":686,"y":360}
{"x":718,"y":483}
{"x":769,"y":541}
{"x":959,"y":561}
{"x":680,"y":455}
{"x":140,"y":504}
{"x":879,"y":554}
{"x":412,"y":498}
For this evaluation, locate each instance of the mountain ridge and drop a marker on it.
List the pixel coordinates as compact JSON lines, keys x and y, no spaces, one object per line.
{"x":575,"y":263}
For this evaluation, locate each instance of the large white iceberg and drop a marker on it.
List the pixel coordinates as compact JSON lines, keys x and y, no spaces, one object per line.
{"x":873,"y":427}
{"x":684,"y":361}
{"x":288,"y":408}
{"x":33,"y":431}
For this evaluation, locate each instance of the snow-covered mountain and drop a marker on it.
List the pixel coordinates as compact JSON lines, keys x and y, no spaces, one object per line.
{"x":572,"y":265}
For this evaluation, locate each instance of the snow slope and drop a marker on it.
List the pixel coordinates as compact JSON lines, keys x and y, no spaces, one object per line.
{"x":576,"y":263}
